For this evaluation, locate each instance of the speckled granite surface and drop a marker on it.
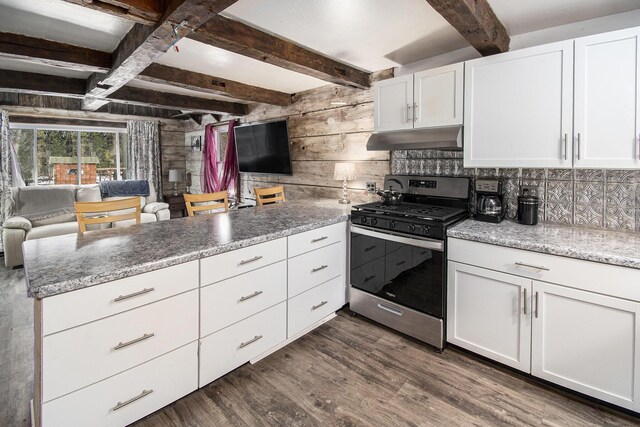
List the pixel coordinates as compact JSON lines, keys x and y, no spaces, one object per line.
{"x":606,"y":246}
{"x":60,"y":264}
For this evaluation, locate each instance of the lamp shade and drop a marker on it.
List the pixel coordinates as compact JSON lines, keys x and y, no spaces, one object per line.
{"x":175,"y":175}
{"x":344,"y":171}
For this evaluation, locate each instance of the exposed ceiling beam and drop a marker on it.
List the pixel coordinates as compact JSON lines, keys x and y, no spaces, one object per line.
{"x":53,"y":53}
{"x":213,"y":85}
{"x":146,"y":12}
{"x":143,"y":45}
{"x":28,"y":104}
{"x":41,"y":84}
{"x":477,"y":23}
{"x":65,"y":121}
{"x":242,"y":39}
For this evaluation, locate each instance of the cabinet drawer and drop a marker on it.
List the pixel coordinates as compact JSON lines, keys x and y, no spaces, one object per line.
{"x":231,"y":347}
{"x":227,"y":302}
{"x":157,"y":383}
{"x":229,"y":264}
{"x":77,"y":357}
{"x":587,"y":275}
{"x":114,"y":297}
{"x":313,"y":268}
{"x":315,"y":304}
{"x":314,"y":239}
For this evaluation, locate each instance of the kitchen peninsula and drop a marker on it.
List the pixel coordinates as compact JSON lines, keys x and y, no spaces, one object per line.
{"x":128,"y":320}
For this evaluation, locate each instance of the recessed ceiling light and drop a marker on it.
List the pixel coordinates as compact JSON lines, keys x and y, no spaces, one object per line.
{"x":338,"y":103}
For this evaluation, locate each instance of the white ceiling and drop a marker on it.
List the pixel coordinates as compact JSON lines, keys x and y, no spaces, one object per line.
{"x":63,"y":22}
{"x":368,"y":34}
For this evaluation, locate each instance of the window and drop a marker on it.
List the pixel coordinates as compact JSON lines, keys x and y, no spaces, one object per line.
{"x":49,"y":155}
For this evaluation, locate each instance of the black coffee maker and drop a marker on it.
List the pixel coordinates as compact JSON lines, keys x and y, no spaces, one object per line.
{"x":491,"y":205}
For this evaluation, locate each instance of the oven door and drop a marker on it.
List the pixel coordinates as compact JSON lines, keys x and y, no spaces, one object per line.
{"x":406,"y":270}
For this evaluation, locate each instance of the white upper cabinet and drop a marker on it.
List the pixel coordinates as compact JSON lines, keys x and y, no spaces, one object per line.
{"x":431,"y":98}
{"x":438,"y":96}
{"x":393,"y":104}
{"x":606,"y":133}
{"x":518,"y":108}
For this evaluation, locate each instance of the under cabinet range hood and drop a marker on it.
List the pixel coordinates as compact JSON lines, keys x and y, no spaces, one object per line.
{"x":443,"y":138}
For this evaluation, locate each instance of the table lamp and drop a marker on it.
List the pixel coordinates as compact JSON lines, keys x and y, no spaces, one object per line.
{"x":344,"y":172}
{"x":175,"y":176}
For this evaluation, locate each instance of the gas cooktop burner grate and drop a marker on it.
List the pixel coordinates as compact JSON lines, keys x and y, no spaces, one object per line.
{"x":411,"y":210}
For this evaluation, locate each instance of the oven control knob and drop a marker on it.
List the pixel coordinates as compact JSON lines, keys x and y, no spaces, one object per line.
{"x":412,"y":228}
{"x":374,"y":221}
{"x":425,"y":230}
{"x":392,"y":224}
{"x":363,"y":219}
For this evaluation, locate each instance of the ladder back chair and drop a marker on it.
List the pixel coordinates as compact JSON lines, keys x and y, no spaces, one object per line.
{"x":104,"y":212}
{"x":267,"y":196}
{"x":207,"y":202}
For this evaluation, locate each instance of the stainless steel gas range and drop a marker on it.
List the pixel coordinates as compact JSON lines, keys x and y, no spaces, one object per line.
{"x":398,"y":254}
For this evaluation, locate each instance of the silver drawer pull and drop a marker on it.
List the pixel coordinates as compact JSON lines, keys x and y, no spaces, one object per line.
{"x":121,"y":405}
{"x":247,"y":261}
{"x":315,"y":307}
{"x":253,"y":295}
{"x":322,"y":267}
{"x":537,"y":267}
{"x":251,"y":341}
{"x":319,"y":239}
{"x":137,"y":340}
{"x":390,"y":310}
{"x":135,"y":294}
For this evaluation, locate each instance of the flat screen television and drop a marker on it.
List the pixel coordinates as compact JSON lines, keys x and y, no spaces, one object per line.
{"x":263,"y":148}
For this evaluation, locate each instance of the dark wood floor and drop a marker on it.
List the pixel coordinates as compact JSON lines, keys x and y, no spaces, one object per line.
{"x":347,"y":372}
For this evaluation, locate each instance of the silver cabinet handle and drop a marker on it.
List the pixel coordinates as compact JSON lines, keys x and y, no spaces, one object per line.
{"x":536,"y":298}
{"x":315,"y":307}
{"x":322,"y":267}
{"x":537,"y":267}
{"x":135,"y":294}
{"x":565,"y":146}
{"x":251,"y":341}
{"x":408,"y":113}
{"x":390,"y":310}
{"x":121,"y":405}
{"x":137,"y":340}
{"x":525,"y":301}
{"x":415,"y":112}
{"x":247,"y":261}
{"x":319,"y":239}
{"x":578,"y":146}
{"x":253,"y":295}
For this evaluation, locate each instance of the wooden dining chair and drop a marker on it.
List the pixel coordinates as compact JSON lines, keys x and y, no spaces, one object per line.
{"x":104,"y":212}
{"x":267,"y":196}
{"x":206,"y":202}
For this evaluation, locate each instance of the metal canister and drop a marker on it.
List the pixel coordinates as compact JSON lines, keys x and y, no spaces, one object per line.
{"x":528,"y":209}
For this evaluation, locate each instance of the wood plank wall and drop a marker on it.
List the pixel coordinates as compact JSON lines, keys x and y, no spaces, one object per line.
{"x":173,"y":152}
{"x":321,"y":135}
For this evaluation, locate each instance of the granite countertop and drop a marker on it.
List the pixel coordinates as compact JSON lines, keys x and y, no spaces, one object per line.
{"x":605,"y":246}
{"x":55,"y":265}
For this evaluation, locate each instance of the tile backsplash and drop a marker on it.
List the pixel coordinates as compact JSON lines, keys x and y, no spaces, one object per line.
{"x":588,"y":197}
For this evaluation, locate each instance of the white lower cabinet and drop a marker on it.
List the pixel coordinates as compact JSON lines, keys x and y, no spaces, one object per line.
{"x":487,"y":314}
{"x":235,"y":345}
{"x":314,"y":305}
{"x":126,"y":397}
{"x":578,"y":338}
{"x":587,"y":342}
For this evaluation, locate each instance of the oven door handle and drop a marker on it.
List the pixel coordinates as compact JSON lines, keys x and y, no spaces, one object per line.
{"x":436,"y":245}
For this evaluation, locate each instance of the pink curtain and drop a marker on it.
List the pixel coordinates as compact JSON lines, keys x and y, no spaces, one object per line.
{"x":210,"y":176}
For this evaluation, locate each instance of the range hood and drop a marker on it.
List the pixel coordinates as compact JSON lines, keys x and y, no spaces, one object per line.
{"x":443,"y":138}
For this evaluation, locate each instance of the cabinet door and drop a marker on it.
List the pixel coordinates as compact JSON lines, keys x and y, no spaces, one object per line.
{"x":518,"y":108}
{"x":489,"y":313}
{"x":438,"y":96}
{"x":587,"y":342}
{"x":606,"y":100}
{"x":393,"y":104}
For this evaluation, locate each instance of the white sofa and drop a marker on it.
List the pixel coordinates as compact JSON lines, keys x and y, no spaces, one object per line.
{"x":46,"y":211}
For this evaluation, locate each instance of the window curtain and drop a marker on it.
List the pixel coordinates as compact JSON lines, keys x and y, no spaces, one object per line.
{"x":143,"y":151}
{"x":6,"y":170}
{"x":212,"y":179}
